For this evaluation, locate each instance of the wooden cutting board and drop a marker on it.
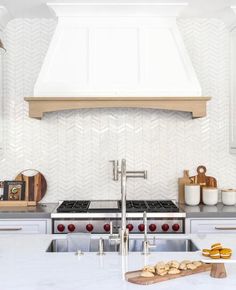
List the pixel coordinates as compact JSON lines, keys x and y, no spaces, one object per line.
{"x":202,"y":179}
{"x":35,"y":184}
{"x":134,"y":277}
{"x":181,"y":182}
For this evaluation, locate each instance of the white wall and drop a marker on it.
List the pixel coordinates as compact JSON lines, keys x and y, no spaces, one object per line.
{"x":1,"y":96}
{"x":1,"y":105}
{"x":72,"y":148}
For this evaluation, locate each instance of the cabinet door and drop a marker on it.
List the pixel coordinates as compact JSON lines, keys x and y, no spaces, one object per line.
{"x":213,"y":226}
{"x":233,"y":94}
{"x":23,"y":226}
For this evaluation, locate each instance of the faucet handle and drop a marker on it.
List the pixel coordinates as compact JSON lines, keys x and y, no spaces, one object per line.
{"x":146,"y":247}
{"x":153,"y":244}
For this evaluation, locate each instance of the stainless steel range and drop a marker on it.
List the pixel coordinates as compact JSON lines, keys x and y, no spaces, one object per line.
{"x":103,"y":217}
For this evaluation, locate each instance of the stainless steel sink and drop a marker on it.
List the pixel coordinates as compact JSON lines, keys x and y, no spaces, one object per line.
{"x":165,"y":245}
{"x":135,"y":245}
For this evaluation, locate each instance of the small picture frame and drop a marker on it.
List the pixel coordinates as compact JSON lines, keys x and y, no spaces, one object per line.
{"x":14,"y":190}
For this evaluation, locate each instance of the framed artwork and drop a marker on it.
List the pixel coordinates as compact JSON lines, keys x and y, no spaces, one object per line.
{"x":14,"y":190}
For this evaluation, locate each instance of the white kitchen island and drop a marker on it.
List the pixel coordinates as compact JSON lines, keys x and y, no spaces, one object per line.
{"x":25,"y":265}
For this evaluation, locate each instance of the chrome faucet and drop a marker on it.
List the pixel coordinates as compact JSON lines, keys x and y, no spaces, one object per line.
{"x":124,"y":174}
{"x":146,"y":244}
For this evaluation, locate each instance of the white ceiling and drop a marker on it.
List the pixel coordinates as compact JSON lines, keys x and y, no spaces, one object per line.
{"x":197,"y":8}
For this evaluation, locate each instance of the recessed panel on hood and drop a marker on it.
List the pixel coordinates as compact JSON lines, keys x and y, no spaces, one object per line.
{"x":122,"y":50}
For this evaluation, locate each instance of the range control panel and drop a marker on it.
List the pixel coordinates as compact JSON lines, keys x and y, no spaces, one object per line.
{"x":103,"y":226}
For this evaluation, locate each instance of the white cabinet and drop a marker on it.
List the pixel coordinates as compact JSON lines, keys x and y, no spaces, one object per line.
{"x":211,"y":226}
{"x":25,"y":226}
{"x":233,"y":93}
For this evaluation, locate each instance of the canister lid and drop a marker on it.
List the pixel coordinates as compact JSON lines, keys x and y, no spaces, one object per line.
{"x":228,"y":190}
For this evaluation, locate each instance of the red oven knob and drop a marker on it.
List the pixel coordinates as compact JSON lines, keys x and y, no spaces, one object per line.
{"x":141,"y":227}
{"x":175,"y":227}
{"x":71,"y":228}
{"x":107,"y":228}
{"x":89,"y":227}
{"x":165,"y":227}
{"x":60,"y":228}
{"x":152,"y":227}
{"x":130,"y":227}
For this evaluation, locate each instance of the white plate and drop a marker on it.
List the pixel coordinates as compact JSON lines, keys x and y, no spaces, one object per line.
{"x":216,"y":261}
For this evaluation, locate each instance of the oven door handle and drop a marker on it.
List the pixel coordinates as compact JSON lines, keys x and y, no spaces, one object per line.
{"x":225,"y":228}
{"x":10,"y":229}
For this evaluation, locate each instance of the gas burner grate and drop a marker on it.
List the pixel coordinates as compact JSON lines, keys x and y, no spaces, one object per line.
{"x":136,"y":205}
{"x":162,"y":205}
{"x":77,"y":206}
{"x":74,"y":206}
{"x":150,"y":206}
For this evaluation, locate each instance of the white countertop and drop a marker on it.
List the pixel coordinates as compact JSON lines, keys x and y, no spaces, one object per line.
{"x":24,"y":265}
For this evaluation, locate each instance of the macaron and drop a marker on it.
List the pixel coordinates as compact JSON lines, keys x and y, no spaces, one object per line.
{"x":206,"y":252}
{"x":215,"y":254}
{"x":216,"y":246}
{"x":225,"y":253}
{"x":227,"y":250}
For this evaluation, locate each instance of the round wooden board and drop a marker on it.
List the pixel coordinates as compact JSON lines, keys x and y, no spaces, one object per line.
{"x":35,"y":184}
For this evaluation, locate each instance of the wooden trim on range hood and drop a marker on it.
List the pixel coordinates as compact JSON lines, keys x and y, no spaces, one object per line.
{"x":40,"y":105}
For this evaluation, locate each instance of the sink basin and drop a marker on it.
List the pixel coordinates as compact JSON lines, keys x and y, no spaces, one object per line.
{"x":164,"y":245}
{"x":135,"y":245}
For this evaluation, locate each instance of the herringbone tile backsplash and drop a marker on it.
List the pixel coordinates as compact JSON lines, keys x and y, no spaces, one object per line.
{"x":72,"y":148}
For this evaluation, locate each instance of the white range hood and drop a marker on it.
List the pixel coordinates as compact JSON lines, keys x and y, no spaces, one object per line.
{"x":128,"y":50}
{"x":117,"y":55}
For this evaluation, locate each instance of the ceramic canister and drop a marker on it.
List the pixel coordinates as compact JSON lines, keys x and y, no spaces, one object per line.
{"x":192,"y":194}
{"x":228,"y":196}
{"x":210,"y":195}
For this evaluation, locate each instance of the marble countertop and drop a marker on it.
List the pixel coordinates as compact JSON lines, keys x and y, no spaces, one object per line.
{"x":42,"y":210}
{"x":207,"y":211}
{"x":25,"y":265}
